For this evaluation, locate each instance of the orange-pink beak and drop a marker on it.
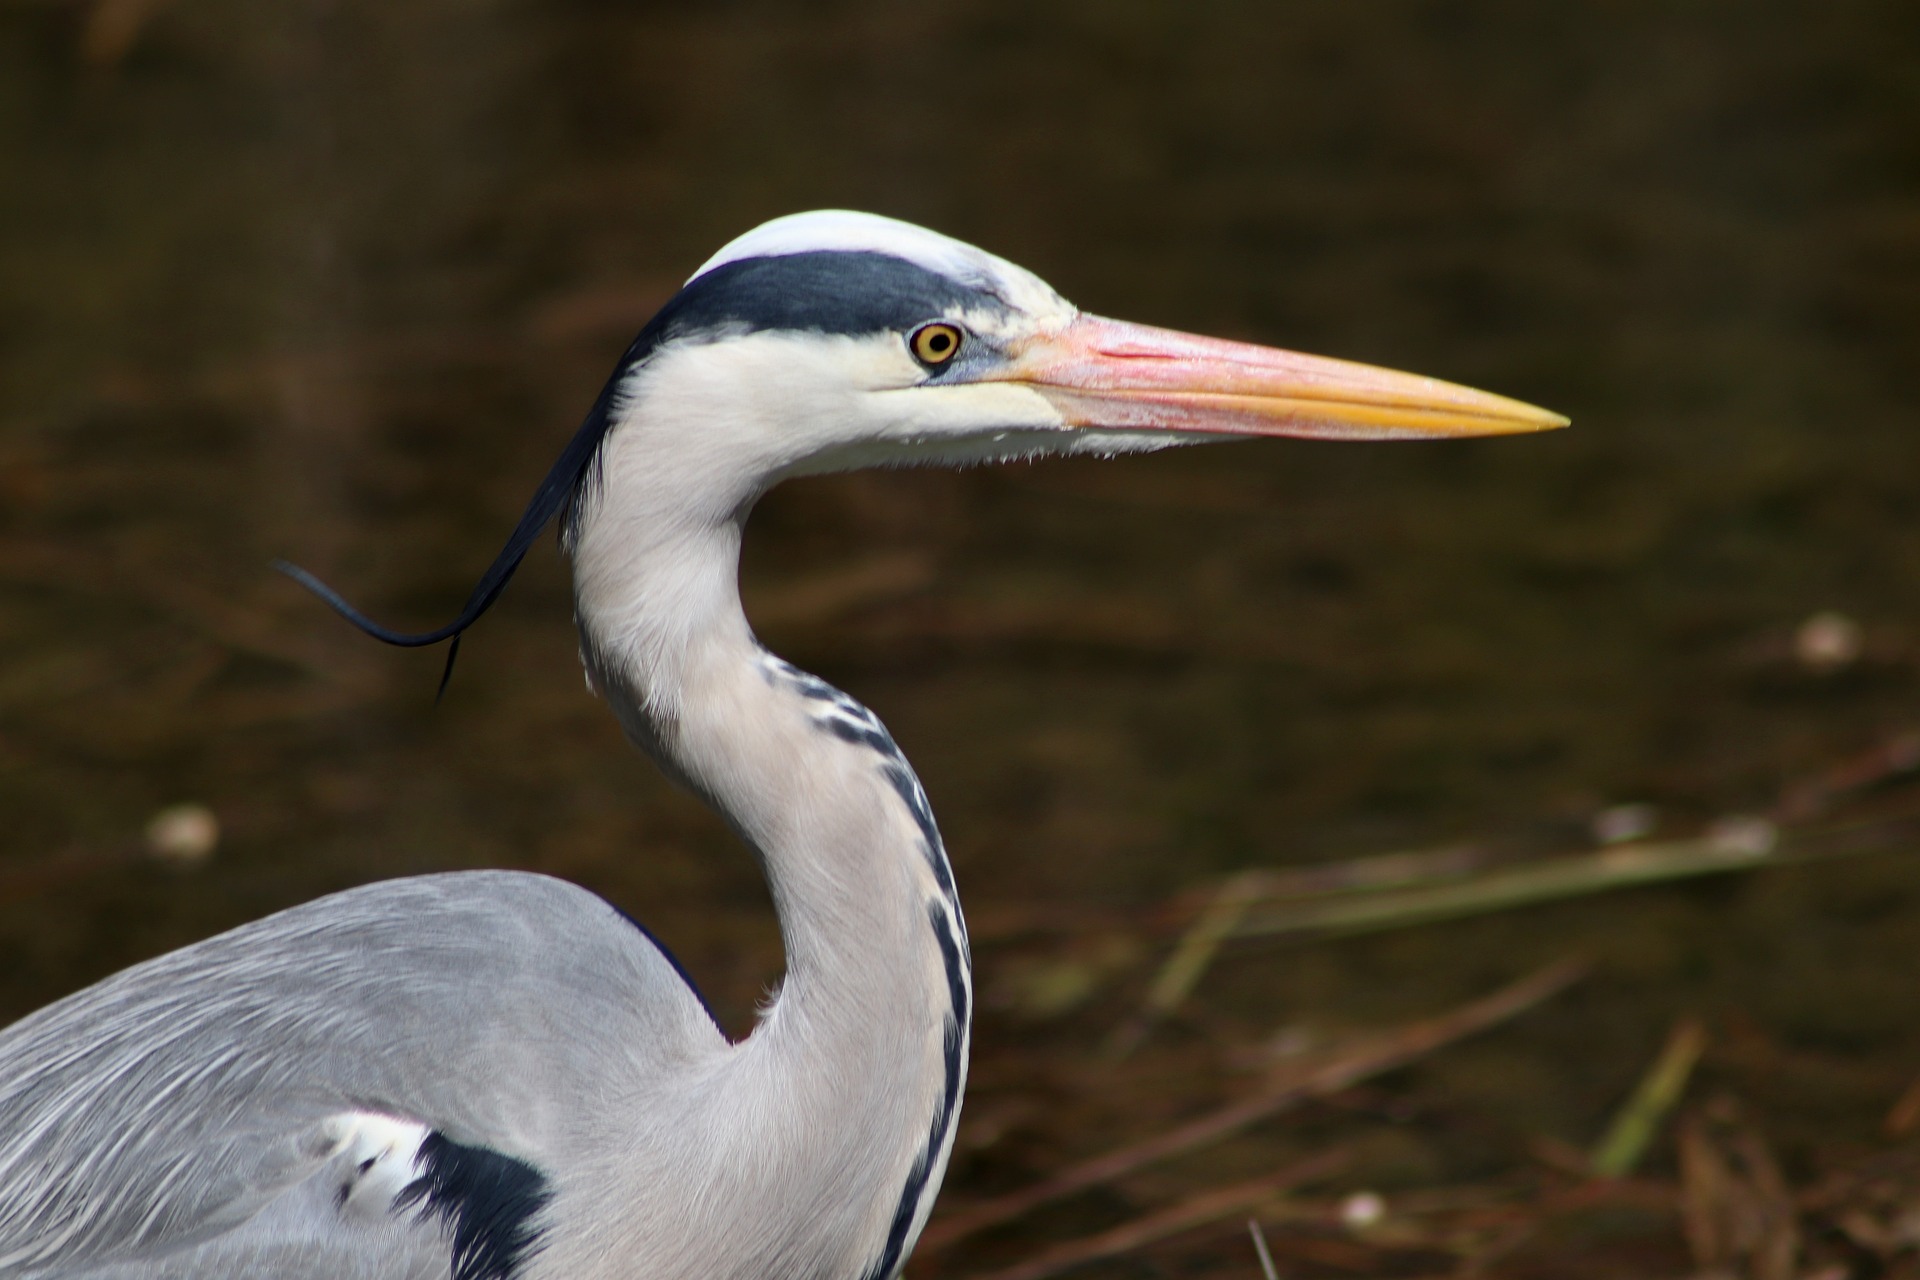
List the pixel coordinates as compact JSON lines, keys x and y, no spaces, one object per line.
{"x":1110,"y":374}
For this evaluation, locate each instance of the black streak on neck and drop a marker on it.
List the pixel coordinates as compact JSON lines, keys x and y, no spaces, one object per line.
{"x":954,"y":1050}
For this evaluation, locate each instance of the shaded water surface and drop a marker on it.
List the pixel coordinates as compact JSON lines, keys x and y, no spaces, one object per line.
{"x":334,"y":280}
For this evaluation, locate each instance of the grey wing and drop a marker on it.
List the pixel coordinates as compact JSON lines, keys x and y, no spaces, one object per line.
{"x":231,"y":1108}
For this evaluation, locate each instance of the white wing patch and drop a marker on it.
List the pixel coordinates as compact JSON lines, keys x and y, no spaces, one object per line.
{"x":374,"y":1156}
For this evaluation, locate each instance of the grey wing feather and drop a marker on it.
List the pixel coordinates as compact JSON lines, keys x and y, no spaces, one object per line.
{"x":179,"y":1108}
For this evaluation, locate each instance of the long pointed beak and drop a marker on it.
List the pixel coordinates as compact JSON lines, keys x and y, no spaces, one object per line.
{"x":1110,"y":374}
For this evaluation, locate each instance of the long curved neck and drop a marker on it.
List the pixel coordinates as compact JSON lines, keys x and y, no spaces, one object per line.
{"x":865,"y":1046}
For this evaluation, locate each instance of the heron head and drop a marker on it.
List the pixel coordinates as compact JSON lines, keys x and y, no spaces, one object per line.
{"x":833,"y":340}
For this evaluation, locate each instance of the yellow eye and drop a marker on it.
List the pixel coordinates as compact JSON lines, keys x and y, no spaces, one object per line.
{"x":935,"y":343}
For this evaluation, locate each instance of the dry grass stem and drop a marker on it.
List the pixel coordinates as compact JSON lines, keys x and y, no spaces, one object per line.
{"x":1388,"y":1051}
{"x":1738,"y":1215}
{"x":1209,"y":1206}
{"x":33,"y":878}
{"x":1904,"y":1115}
{"x":111,"y":30}
{"x":1895,"y":757}
{"x":1734,"y":846}
{"x":205,"y":611}
{"x":1401,"y":890}
{"x":1260,"y":1248}
{"x":1658,"y":1092}
{"x":1188,"y":963}
{"x":1376,"y":872}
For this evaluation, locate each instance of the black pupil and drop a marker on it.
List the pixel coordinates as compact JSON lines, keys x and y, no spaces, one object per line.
{"x":939,"y":341}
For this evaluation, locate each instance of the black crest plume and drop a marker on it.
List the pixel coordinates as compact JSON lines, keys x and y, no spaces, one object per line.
{"x":823,"y":291}
{"x":563,"y":479}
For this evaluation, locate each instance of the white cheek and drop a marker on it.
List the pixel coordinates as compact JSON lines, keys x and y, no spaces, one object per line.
{"x":767,"y":400}
{"x":931,"y":413}
{"x":709,"y":424}
{"x":959,"y":425}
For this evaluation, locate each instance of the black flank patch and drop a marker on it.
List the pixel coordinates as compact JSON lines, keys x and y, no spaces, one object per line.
{"x":485,"y":1202}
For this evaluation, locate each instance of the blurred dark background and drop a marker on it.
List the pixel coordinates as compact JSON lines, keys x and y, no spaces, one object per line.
{"x":334,"y":279}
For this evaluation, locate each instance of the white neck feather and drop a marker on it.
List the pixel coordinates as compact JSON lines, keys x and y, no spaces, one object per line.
{"x":864,"y":1050}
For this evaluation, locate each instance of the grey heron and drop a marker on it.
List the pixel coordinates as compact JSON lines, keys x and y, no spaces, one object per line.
{"x":491,"y":1075}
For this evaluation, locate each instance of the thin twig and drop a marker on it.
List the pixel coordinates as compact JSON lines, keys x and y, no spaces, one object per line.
{"x":1373,"y":873}
{"x":1207,"y":1207}
{"x":1894,"y":757}
{"x":1905,"y":1113}
{"x":1389,"y":1051}
{"x":1260,"y":1247}
{"x":206,"y":611}
{"x":112,"y":27}
{"x":30,"y":878}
